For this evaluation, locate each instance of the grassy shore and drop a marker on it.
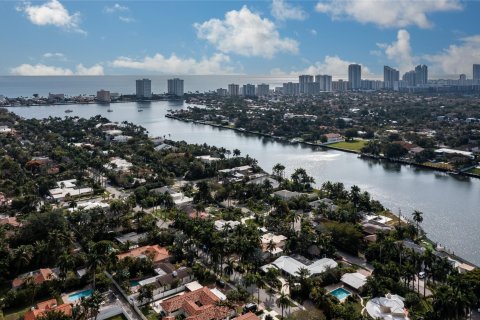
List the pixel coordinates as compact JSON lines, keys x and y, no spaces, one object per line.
{"x":474,"y":171}
{"x":354,"y":145}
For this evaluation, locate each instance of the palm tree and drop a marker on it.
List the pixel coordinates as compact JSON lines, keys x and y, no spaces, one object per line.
{"x":278,"y":170}
{"x":236,"y":152}
{"x":260,"y":283}
{"x":283,"y":302}
{"x":418,"y":218}
{"x":229,"y":268}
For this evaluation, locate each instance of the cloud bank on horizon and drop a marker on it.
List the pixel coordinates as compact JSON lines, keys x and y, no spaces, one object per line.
{"x":279,"y":37}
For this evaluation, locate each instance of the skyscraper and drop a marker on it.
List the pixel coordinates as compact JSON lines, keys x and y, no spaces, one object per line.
{"x":290,"y":89}
{"x":263,"y":90}
{"x":175,"y":86}
{"x":476,"y":72}
{"x":390,"y":76}
{"x":421,"y":74}
{"x":410,"y":78}
{"x":325,"y":82}
{"x":303,"y":82}
{"x":233,"y":90}
{"x":249,"y":90}
{"x":355,"y":76}
{"x":144,"y":88}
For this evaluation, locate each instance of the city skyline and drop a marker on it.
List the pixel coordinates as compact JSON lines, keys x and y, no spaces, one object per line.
{"x":289,"y":38}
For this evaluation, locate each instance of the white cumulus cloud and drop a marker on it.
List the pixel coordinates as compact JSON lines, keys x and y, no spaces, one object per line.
{"x":245,"y":33}
{"x":456,"y":58}
{"x":116,"y":8}
{"x":57,"y":55}
{"x":331,"y":65}
{"x":387,"y":13}
{"x":45,"y":70}
{"x":216,"y":64}
{"x":52,"y":13}
{"x":400,"y":51}
{"x":126,"y":19}
{"x":284,"y":11}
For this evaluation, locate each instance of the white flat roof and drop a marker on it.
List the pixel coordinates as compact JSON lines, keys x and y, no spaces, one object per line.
{"x":292,"y":266}
{"x":355,"y":280}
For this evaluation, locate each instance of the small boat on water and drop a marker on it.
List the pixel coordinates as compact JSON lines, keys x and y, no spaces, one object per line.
{"x":140,"y":110}
{"x":68,"y":111}
{"x":110,"y":110}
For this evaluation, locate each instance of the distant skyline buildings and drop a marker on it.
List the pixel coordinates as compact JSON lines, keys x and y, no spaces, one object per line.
{"x":303,"y":81}
{"x":476,"y":72}
{"x":355,"y":76}
{"x":421,"y":75}
{"x":390,"y":77}
{"x":143,"y":88}
{"x":233,"y":90}
{"x":175,"y":87}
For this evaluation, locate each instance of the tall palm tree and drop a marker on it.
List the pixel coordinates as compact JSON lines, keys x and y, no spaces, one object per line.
{"x":283,"y":302}
{"x":418,"y":218}
{"x":229,"y":268}
{"x":260,"y":283}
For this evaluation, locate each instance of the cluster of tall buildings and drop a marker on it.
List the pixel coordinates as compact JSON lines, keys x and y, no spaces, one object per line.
{"x":175,"y":87}
{"x":247,"y":90}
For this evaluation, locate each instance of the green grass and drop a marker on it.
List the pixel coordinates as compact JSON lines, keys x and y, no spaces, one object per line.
{"x":117,"y":317}
{"x":15,"y":314}
{"x":355,"y":145}
{"x":149,"y":313}
{"x":475,"y":171}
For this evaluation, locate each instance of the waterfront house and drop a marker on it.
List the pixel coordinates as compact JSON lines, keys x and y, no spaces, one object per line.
{"x":333,"y":137}
{"x":288,"y":195}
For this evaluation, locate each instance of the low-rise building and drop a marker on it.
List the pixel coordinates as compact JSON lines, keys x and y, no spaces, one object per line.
{"x":287,"y":195}
{"x":50,"y":305}
{"x":38,"y":277}
{"x":277,"y":241}
{"x":156,"y":253}
{"x":333,"y":137}
{"x":354,"y":280}
{"x":291,"y":265}
{"x":200,"y":304}
{"x":68,"y":188}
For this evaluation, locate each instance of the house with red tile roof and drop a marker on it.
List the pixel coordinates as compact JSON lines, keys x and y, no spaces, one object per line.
{"x":156,"y":253}
{"x":247,"y":316}
{"x":200,"y":304}
{"x":38,"y":276}
{"x":11,"y":221}
{"x":45,"y":306}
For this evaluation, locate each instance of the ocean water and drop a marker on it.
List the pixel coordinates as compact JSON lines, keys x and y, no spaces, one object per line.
{"x":19,"y":86}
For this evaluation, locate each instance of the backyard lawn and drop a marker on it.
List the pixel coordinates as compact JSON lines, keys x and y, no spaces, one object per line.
{"x":15,"y":314}
{"x":355,"y":145}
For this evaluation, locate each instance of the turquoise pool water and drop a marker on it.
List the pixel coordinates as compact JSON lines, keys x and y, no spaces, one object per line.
{"x":340,"y":293}
{"x":134,"y":283}
{"x":80,"y":294}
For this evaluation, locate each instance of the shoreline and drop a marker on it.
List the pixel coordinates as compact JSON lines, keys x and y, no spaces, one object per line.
{"x":326,"y":146}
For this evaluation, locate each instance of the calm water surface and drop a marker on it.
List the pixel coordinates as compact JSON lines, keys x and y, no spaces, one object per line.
{"x":451,"y":205}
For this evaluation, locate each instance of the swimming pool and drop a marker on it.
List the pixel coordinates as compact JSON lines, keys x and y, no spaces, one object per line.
{"x":340,"y":293}
{"x":134,"y":283}
{"x":78,"y":295}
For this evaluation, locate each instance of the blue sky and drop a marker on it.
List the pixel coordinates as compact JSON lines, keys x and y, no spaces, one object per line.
{"x":57,"y":37}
